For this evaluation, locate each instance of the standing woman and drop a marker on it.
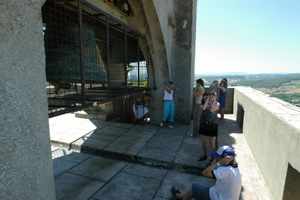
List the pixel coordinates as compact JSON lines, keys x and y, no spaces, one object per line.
{"x":197,"y":109}
{"x":208,"y":125}
{"x":222,"y":96}
{"x":169,"y":105}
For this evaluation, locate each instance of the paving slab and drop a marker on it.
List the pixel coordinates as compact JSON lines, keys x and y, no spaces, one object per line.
{"x":110,"y":130}
{"x":119,"y":125}
{"x":64,"y":160}
{"x":165,"y":141}
{"x":67,"y":128}
{"x":61,"y":166}
{"x":162,"y":147}
{"x":129,"y":144}
{"x":189,"y":152}
{"x":179,"y":130}
{"x":144,"y":129}
{"x":145,"y":171}
{"x":70,"y":186}
{"x":125,"y":186}
{"x":159,"y":154}
{"x":99,"y":168}
{"x":95,"y":140}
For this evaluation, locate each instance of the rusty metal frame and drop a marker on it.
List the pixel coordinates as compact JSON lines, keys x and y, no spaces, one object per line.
{"x":125,"y":56}
{"x":138,"y":56}
{"x":82,"y":80}
{"x":108,"y":49}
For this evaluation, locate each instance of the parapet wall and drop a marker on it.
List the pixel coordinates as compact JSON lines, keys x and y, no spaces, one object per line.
{"x":272,"y":130}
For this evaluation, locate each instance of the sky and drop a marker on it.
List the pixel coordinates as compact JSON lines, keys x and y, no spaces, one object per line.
{"x":248,"y":36}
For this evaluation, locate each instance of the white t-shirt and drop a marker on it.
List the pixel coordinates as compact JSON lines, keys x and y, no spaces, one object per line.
{"x":168,"y":96}
{"x":139,"y":111}
{"x":228,"y":184}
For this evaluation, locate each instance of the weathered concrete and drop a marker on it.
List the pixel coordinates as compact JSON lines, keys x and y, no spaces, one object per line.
{"x":229,"y":101}
{"x":272,"y":130}
{"x":25,"y":164}
{"x":99,"y":168}
{"x":70,"y":186}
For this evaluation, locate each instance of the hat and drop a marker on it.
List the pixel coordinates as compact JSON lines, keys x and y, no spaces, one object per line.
{"x":223,"y":151}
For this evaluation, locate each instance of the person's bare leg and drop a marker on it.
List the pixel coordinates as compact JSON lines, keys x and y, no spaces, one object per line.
{"x":213,"y":143}
{"x":185,"y":195}
{"x":208,"y":146}
{"x":222,"y":113}
{"x":202,"y":139}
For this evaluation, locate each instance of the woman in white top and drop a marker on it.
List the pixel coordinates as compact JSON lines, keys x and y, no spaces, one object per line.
{"x":169,"y":105}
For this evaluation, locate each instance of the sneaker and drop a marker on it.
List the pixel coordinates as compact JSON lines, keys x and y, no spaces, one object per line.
{"x":170,"y":126}
{"x":161,"y":124}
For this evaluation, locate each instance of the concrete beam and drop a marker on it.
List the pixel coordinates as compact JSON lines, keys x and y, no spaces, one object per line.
{"x":109,"y":10}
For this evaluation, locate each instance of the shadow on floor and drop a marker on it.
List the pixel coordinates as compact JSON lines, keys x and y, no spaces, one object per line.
{"x":227,"y":128}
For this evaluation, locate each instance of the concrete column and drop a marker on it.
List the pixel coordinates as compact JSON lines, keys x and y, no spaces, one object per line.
{"x":25,"y":162}
{"x":183,"y":57}
{"x":177,"y":20}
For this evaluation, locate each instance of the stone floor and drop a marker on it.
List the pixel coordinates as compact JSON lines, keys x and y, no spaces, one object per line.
{"x":107,"y":160}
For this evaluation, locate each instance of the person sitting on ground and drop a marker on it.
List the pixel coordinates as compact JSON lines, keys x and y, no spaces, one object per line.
{"x":140,"y":111}
{"x":228,"y":179}
{"x":169,"y":105}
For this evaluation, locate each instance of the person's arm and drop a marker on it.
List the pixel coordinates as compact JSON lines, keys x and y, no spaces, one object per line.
{"x":168,"y":89}
{"x":199,"y":92}
{"x":206,"y":103}
{"x":208,"y":172}
{"x":222,"y":88}
{"x":215,"y":107}
{"x":212,"y":171}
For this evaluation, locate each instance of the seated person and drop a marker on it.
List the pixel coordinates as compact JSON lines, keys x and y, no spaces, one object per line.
{"x":140,"y":111}
{"x":228,"y":179}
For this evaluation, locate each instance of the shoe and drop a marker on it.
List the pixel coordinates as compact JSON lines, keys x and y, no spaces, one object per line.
{"x":161,"y":124}
{"x":170,"y":126}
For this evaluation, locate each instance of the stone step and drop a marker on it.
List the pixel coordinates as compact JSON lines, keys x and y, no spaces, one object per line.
{"x":136,"y":159}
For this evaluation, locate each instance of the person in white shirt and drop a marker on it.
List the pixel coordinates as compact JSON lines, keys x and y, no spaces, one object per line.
{"x":169,"y":105}
{"x":140,"y":111}
{"x":228,"y":179}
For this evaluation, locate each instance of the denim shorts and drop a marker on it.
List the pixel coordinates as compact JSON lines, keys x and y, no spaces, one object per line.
{"x":200,"y":192}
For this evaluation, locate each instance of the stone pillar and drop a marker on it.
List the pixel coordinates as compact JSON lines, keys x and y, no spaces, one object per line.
{"x":25,"y":162}
{"x":183,"y":57}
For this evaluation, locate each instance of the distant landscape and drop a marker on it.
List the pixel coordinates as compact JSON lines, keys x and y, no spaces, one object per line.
{"x":282,"y":86}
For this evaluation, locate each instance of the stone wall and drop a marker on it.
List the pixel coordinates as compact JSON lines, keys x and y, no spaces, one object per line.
{"x":177,"y":19}
{"x":25,"y":162}
{"x":272,"y":130}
